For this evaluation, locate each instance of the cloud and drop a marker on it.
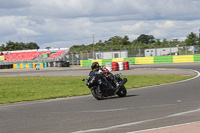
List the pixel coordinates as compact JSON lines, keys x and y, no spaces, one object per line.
{"x":167,"y":24}
{"x":63,"y":23}
{"x":135,"y":27}
{"x":6,"y":4}
{"x":7,"y":26}
{"x":27,"y":32}
{"x":162,"y":28}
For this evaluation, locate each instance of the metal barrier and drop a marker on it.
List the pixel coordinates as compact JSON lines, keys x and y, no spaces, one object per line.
{"x":148,"y":60}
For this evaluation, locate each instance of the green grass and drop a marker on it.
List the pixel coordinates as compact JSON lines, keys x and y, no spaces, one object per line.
{"x":18,"y":89}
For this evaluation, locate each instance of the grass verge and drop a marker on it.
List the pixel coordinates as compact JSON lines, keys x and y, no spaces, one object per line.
{"x":18,"y":89}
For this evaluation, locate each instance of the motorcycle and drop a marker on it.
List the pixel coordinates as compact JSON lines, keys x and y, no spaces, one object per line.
{"x":101,"y":88}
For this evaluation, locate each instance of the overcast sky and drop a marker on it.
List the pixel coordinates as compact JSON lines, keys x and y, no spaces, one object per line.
{"x":63,"y":23}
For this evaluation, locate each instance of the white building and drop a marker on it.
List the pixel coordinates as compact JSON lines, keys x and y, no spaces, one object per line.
{"x":167,"y":51}
{"x":111,"y":54}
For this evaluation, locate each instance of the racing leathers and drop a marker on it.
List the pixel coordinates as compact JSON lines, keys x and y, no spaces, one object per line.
{"x":109,"y":77}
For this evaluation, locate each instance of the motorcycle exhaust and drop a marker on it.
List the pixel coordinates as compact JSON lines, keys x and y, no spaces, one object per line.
{"x":124,"y":80}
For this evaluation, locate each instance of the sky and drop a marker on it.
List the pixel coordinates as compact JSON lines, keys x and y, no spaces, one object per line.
{"x":64,"y":23}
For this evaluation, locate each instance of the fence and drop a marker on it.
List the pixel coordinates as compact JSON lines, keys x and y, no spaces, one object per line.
{"x":75,"y":58}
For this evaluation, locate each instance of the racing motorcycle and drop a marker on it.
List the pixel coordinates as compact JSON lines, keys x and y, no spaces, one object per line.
{"x":101,"y":88}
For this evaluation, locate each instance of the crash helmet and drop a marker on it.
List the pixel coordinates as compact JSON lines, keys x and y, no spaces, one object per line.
{"x":95,"y":66}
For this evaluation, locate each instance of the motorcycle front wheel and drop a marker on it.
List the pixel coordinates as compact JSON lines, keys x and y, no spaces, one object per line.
{"x":97,"y":93}
{"x":122,"y":92}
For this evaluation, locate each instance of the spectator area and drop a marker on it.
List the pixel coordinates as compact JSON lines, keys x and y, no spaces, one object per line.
{"x":57,"y":54}
{"x":31,"y":55}
{"x":23,"y":56}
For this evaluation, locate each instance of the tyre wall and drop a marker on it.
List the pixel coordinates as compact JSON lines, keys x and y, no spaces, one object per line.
{"x":6,"y":66}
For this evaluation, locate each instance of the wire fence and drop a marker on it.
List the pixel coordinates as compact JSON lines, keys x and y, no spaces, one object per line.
{"x":74,"y":58}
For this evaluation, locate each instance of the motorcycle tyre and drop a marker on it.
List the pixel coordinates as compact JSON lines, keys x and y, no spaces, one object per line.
{"x":122,"y":92}
{"x":96,"y":94}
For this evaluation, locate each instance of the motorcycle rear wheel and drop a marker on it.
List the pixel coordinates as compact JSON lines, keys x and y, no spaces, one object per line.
{"x":122,"y":92}
{"x":97,"y":94}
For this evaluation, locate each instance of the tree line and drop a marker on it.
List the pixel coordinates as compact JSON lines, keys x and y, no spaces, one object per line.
{"x":11,"y":46}
{"x":143,"y":41}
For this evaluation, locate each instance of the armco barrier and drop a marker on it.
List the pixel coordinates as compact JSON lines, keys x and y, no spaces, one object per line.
{"x":163,"y":59}
{"x":18,"y":65}
{"x":144,"y":60}
{"x":44,"y":64}
{"x":14,"y":65}
{"x":21,"y":65}
{"x":40,"y":65}
{"x":99,"y":61}
{"x":24,"y":65}
{"x":27,"y":65}
{"x":104,"y":61}
{"x":86,"y":62}
{"x":30,"y":65}
{"x":131,"y":60}
{"x":183,"y":58}
{"x":196,"y":58}
{"x":118,"y":60}
{"x":34,"y":65}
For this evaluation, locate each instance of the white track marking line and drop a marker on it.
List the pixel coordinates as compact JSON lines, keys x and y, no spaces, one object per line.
{"x":123,"y":109}
{"x":198,"y":75}
{"x":183,"y":113}
{"x":140,"y":131}
{"x":135,"y":123}
{"x":116,"y":126}
{"x":102,"y":111}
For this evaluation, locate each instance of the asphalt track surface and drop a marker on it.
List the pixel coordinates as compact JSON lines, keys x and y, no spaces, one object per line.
{"x":143,"y":108}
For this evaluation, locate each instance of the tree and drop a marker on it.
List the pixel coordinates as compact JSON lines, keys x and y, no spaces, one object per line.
{"x":199,"y":38}
{"x":100,"y":45}
{"x":126,"y":41}
{"x":158,"y":43}
{"x":146,"y":38}
{"x":10,"y":46}
{"x":116,"y":40}
{"x":192,"y":39}
{"x":2,"y":47}
{"x":32,"y":45}
{"x":48,"y":48}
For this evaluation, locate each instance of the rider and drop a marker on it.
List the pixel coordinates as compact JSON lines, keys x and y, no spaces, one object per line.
{"x":109,"y":76}
{"x":95,"y":68}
